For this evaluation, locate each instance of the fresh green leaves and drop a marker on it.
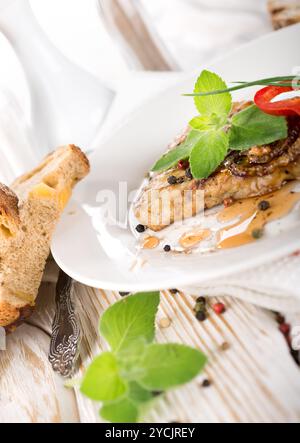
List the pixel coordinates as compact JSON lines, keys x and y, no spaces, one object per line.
{"x":214,"y":132}
{"x":122,"y":411}
{"x":125,"y":378}
{"x":167,"y":366}
{"x":209,"y":105}
{"x":182,"y":151}
{"x":252,"y":127}
{"x":102,"y":381}
{"x":208,"y":153}
{"x":129,"y":320}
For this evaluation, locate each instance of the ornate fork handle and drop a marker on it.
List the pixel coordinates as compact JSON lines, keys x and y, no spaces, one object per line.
{"x":66,"y":333}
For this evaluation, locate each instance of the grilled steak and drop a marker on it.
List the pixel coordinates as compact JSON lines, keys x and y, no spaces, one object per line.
{"x":251,"y":173}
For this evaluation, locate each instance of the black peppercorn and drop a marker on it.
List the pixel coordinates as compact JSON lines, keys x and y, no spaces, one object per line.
{"x":188,"y":173}
{"x":201,"y":300}
{"x":201,"y":315}
{"x":180,"y":180}
{"x":167,"y":248}
{"x":264,"y":205}
{"x":140,"y":228}
{"x":123,"y":294}
{"x":174,"y":291}
{"x":172,"y":180}
{"x":206,"y":383}
{"x":257,"y":233}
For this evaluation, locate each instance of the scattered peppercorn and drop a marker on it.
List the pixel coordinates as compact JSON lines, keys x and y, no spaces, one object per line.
{"x":180,"y":180}
{"x":183,"y":164}
{"x":140,"y":228}
{"x":167,"y":248}
{"x":174,"y":291}
{"x":201,"y":300}
{"x":123,"y":294}
{"x":224,"y":346}
{"x":188,"y":173}
{"x":257,"y":233}
{"x":219,"y":308}
{"x":199,"y":307}
{"x":172,"y":180}
{"x":285,"y":328}
{"x":206,"y":383}
{"x":165,"y":322}
{"x":201,"y":315}
{"x":264,"y":205}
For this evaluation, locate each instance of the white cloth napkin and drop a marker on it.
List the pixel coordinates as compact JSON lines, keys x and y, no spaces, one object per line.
{"x":275,"y":285}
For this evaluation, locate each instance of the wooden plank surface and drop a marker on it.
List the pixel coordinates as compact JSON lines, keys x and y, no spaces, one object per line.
{"x":30,"y":392}
{"x":254,"y":379}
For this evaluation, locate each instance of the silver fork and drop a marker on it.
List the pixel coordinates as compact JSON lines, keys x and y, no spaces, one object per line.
{"x":66,"y":333}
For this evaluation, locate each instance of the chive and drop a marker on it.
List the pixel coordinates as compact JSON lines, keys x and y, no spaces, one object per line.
{"x":272,"y":81}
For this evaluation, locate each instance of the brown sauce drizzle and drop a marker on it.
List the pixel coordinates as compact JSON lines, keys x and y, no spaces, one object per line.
{"x":193,"y":238}
{"x":248,"y":213}
{"x":150,"y":242}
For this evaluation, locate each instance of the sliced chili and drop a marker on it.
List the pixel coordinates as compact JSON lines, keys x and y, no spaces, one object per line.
{"x":286,"y":107}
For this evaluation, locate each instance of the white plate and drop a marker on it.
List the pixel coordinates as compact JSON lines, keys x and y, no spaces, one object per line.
{"x":130,"y":152}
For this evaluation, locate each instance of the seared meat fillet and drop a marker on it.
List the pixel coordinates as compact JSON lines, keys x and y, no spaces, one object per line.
{"x":255,"y":172}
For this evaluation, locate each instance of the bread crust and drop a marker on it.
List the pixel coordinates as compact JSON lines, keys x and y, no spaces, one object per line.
{"x":9,"y":210}
{"x":29,"y":212}
{"x":284,"y":12}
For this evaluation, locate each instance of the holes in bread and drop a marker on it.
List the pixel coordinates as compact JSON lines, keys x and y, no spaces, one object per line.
{"x":5,"y":231}
{"x":52,"y":182}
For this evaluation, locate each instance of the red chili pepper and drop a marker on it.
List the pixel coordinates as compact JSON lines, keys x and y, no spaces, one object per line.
{"x":290,"y":106}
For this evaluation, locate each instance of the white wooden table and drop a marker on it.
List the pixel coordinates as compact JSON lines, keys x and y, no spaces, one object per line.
{"x":254,"y":378}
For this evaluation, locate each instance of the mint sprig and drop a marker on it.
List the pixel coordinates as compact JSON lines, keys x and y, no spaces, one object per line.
{"x":252,"y":127}
{"x":208,"y":153}
{"x":215,"y":132}
{"x":124,"y":379}
{"x":210,"y":105}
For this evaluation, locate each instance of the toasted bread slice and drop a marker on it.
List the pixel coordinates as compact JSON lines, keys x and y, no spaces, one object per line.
{"x":29,"y":213}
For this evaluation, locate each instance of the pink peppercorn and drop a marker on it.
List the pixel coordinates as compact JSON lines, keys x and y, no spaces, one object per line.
{"x":183,"y":164}
{"x":219,"y":308}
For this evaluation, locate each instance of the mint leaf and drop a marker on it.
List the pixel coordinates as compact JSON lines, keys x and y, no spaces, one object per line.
{"x":253,"y":127}
{"x":138,"y":394}
{"x":170,"y":365}
{"x":129,"y":320}
{"x":208,"y":153}
{"x":182,"y":151}
{"x":212,"y":104}
{"x":102,"y":381}
{"x":208,"y":122}
{"x":126,"y":410}
{"x":122,"y":411}
{"x":133,"y":351}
